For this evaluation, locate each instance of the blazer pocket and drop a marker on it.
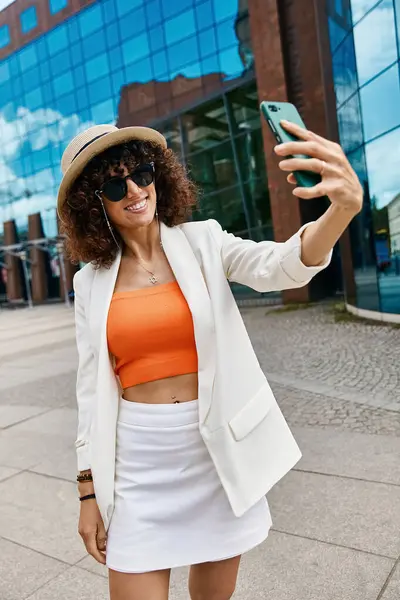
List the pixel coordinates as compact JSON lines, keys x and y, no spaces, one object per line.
{"x":252,"y":413}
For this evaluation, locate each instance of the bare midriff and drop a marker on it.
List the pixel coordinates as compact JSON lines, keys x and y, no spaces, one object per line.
{"x":181,"y":388}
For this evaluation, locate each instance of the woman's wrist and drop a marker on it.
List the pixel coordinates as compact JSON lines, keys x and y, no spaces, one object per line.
{"x":85,"y":487}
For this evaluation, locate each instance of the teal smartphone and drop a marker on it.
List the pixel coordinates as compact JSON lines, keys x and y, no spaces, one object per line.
{"x":273,"y":113}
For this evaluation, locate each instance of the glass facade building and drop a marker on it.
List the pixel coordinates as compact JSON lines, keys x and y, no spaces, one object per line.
{"x":365,"y":46}
{"x":196,"y":70}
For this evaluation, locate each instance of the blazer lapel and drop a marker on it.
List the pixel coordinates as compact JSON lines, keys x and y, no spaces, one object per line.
{"x":188,"y":274}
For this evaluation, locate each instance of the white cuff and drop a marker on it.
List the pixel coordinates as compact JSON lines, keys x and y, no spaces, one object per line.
{"x":291,"y":260}
{"x":83,"y":456}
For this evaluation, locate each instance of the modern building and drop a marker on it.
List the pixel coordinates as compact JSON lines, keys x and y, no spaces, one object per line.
{"x":197,"y":71}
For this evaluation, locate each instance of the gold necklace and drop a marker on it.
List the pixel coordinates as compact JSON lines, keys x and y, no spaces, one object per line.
{"x":153,"y":278}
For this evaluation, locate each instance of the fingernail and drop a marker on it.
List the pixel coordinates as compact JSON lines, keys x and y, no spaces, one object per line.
{"x":278,"y":147}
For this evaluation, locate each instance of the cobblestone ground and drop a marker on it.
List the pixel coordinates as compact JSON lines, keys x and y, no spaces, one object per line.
{"x":320,"y":362}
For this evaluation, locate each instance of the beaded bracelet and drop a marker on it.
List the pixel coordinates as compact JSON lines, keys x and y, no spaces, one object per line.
{"x":88,"y":497}
{"x":84,"y":477}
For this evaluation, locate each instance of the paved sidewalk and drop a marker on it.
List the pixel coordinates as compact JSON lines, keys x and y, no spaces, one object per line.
{"x":336,"y":531}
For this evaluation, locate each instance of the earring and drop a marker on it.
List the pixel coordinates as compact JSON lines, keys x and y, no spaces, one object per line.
{"x":159,"y":226}
{"x":105,"y":214}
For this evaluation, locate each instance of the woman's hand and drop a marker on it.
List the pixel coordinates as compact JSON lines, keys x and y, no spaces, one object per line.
{"x":339,"y":181}
{"x":91,"y":529}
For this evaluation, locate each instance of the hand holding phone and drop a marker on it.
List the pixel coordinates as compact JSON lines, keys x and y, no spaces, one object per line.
{"x":274,"y":113}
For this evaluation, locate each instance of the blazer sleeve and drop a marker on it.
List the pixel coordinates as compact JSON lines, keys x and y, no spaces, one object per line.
{"x":264,"y":266}
{"x":86,"y":379}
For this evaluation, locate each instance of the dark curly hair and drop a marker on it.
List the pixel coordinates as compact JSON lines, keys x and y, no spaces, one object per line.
{"x":88,"y":238}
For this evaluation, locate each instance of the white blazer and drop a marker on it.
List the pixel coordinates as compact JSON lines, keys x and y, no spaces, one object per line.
{"x":240,"y":422}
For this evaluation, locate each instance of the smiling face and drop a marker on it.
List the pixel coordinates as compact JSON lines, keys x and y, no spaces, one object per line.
{"x":137,"y":208}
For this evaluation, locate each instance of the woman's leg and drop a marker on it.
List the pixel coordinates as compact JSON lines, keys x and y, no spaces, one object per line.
{"x":214,"y":580}
{"x":139,"y":586}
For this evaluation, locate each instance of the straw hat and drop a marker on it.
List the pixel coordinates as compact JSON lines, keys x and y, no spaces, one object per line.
{"x":93,"y":141}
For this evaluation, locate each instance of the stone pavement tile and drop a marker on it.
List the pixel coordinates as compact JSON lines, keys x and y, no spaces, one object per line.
{"x":27,"y":370}
{"x":12,"y":414}
{"x":6,"y":472}
{"x":42,"y":514}
{"x":292,"y":568}
{"x":22,"y":571}
{"x":392,"y":592}
{"x":74,"y":584}
{"x":287,"y":567}
{"x":90,"y":564}
{"x":358,"y":455}
{"x":62,"y":465}
{"x":356,"y":514}
{"x":45,"y":391}
{"x":59,"y":421}
{"x":27,"y":449}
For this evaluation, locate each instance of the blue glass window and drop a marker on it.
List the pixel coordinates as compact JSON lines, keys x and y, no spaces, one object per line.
{"x":4,"y":36}
{"x":28,"y":19}
{"x":226,"y":35}
{"x":345,"y":71}
{"x":118,"y":79}
{"x":225,"y":9}
{"x":59,"y":63}
{"x":157,"y":40}
{"x":34,"y":99}
{"x":112,"y":35}
{"x":73,"y":31}
{"x":41,"y":159}
{"x":359,"y":8}
{"x":44,"y":69}
{"x":160,"y":63}
{"x":380,"y":101}
{"x":104,"y":112}
{"x":76,"y":54}
{"x":94,"y":45}
{"x":205,"y":15}
{"x":90,"y":20}
{"x":153,"y":13}
{"x":173,"y":8}
{"x":99,"y":90}
{"x":207,"y":42}
{"x":57,"y":40}
{"x":6,"y":92}
{"x":27,"y":57}
{"x":126,"y":27}
{"x":180,"y":27}
{"x":47,"y":93}
{"x":350,"y":124}
{"x":57,"y":5}
{"x":115,"y":58}
{"x":64,"y":84}
{"x":4,"y":71}
{"x":183,"y":53}
{"x":82,"y":99}
{"x":140,"y":71}
{"x":41,"y":49}
{"x":375,"y":41}
{"x":337,"y":33}
{"x":123,"y":6}
{"x":230,"y":63}
{"x":97,"y":67}
{"x":31,"y":79}
{"x":135,"y":48}
{"x":14,"y":66}
{"x":109,"y":11}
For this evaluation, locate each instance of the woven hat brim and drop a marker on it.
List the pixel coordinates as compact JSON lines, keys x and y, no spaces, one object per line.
{"x":113,"y":138}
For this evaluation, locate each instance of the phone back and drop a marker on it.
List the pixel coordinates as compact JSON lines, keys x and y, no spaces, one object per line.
{"x":274,"y":112}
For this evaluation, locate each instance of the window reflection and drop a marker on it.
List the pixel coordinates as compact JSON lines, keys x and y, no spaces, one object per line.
{"x":57,"y":5}
{"x":4,"y":36}
{"x":205,"y":126}
{"x":350,"y":124}
{"x":360,"y":7}
{"x":345,"y":71}
{"x":375,"y":41}
{"x":90,"y":20}
{"x":28,"y":19}
{"x":180,"y":27}
{"x":380,"y":101}
{"x":384,"y":177}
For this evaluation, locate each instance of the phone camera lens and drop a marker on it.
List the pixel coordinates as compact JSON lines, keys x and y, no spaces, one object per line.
{"x":272,"y":108}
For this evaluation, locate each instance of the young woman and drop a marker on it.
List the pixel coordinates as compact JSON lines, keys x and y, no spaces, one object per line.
{"x":179,"y":435}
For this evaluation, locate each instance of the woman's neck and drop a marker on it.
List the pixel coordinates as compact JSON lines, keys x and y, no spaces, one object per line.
{"x":143,"y":242}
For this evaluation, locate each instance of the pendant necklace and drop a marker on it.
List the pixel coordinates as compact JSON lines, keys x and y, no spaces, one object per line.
{"x":153,"y":278}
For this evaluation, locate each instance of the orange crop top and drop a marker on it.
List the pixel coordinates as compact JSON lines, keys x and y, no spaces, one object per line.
{"x":150,"y":333}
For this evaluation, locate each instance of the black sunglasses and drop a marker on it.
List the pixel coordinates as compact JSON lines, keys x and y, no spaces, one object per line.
{"x":116,"y":188}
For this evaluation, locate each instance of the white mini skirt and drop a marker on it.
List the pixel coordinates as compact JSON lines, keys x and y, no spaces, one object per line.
{"x":170,"y":508}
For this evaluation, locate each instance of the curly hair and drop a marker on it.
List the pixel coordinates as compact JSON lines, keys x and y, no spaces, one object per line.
{"x":88,"y":238}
